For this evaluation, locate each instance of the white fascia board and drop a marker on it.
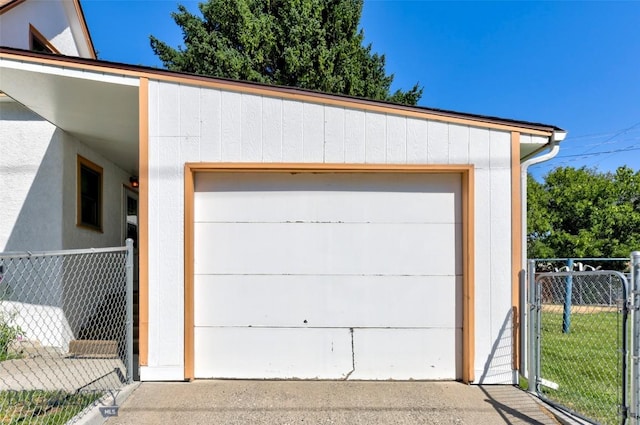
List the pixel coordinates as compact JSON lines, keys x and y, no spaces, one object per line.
{"x":69,"y":72}
{"x":75,"y":24}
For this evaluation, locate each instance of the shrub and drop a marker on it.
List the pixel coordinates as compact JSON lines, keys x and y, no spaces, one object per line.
{"x":9,"y":333}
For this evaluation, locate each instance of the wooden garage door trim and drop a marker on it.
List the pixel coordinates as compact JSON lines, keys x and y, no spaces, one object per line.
{"x":466,"y":172}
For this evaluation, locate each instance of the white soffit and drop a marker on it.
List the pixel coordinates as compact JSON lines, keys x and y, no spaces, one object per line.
{"x":99,"y":109}
{"x":530,"y":144}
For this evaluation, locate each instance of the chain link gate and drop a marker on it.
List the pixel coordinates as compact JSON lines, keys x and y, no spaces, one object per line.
{"x":579,"y":334}
{"x":66,"y":332}
{"x":634,"y":411}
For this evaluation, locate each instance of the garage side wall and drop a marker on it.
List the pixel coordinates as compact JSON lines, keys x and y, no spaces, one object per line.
{"x":191,"y":124}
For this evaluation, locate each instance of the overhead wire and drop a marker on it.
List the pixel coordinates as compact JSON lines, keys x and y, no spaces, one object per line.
{"x":613,"y":138}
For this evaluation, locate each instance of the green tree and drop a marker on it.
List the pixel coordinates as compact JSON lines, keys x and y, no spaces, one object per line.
{"x":310,"y":44}
{"x":584,"y":213}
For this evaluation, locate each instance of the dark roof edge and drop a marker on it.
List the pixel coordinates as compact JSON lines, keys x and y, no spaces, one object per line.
{"x":282,"y":89}
{"x":9,"y":5}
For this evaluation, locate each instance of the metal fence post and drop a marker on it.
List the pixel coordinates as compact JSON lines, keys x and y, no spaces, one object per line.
{"x":129,"y":336}
{"x":524,"y":317}
{"x":635,"y":337}
{"x":532,"y":363}
{"x":67,"y":318}
{"x":566,"y":315}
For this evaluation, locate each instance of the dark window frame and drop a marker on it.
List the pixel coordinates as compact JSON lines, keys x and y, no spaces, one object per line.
{"x":89,"y":181}
{"x":39,"y":43}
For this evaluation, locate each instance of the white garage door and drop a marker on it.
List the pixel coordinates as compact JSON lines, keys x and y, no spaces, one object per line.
{"x":328,"y":276}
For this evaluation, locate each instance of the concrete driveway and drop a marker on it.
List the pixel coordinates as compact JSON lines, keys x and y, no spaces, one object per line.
{"x":330,"y":402}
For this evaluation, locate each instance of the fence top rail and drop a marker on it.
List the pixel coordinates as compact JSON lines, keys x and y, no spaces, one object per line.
{"x":583,"y":273}
{"x":582,"y":259}
{"x":619,"y":275}
{"x":63,"y":252}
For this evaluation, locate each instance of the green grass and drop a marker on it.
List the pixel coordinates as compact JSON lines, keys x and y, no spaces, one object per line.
{"x":42,"y":407}
{"x":585,"y":363}
{"x":9,"y":356}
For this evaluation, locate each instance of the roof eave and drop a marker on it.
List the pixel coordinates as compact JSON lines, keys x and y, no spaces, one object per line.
{"x":290,"y":92}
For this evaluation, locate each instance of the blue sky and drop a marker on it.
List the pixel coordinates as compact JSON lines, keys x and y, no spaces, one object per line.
{"x":575,"y":65}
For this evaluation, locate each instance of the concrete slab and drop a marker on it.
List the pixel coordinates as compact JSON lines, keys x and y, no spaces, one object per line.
{"x":330,"y":402}
{"x":92,"y":414}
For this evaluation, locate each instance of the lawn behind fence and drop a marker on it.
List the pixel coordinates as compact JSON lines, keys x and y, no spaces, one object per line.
{"x":585,"y":363}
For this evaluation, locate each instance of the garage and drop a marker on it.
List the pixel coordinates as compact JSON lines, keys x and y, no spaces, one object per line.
{"x":328,"y":274}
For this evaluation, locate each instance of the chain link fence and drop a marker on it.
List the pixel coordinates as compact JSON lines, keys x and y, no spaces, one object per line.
{"x":582,"y":343}
{"x":65,"y":332}
{"x":602,"y":292}
{"x":582,"y":320}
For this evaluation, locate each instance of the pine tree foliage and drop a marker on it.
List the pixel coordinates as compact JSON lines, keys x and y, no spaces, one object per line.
{"x":310,"y":44}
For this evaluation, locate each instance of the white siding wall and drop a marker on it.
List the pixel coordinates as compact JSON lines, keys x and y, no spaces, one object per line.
{"x":188,"y":124}
{"x":48,"y":17}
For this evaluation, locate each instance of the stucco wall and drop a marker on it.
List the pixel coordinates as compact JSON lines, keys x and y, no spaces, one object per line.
{"x":31,"y":154}
{"x":48,"y":17}
{"x":38,"y":192}
{"x":114,"y":179}
{"x":83,"y":287}
{"x":190,"y":124}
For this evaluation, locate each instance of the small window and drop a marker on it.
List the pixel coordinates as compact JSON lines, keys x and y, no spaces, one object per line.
{"x":39,"y":43}
{"x":38,"y":46}
{"x":89,"y":194}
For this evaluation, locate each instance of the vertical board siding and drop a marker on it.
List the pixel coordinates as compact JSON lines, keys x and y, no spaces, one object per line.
{"x":438,"y":143}
{"x":146,"y":118}
{"x":479,"y":148}
{"x":396,"y":139}
{"x":153,"y":109}
{"x":354,"y":137}
{"x":501,"y":359}
{"x":168,"y":110}
{"x":231,"y":126}
{"x":169,"y":240}
{"x":189,"y":124}
{"x":210,"y":128}
{"x":500,"y":148}
{"x":292,"y":131}
{"x":500,"y":190}
{"x":417,"y":146}
{"x":458,"y":144}
{"x":271,"y":129}
{"x":155,"y":288}
{"x":375,"y":138}
{"x":482,"y":268}
{"x":251,"y":128}
{"x":313,"y":133}
{"x":334,"y":135}
{"x":190,"y":149}
{"x":189,"y":111}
